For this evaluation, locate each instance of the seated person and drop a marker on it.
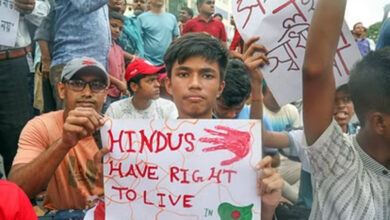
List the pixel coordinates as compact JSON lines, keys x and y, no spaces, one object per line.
{"x":57,"y":151}
{"x":145,"y":102}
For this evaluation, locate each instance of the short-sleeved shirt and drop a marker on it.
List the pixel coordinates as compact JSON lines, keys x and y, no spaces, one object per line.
{"x":364,"y":46}
{"x":213,"y":27}
{"x":76,"y":178}
{"x":296,"y":148}
{"x":347,"y":182}
{"x":157,"y":31}
{"x":286,"y":118}
{"x":14,"y":203}
{"x":158,"y":109}
{"x":116,"y":65}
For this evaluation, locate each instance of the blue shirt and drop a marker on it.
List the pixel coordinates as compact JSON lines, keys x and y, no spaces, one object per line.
{"x":384,"y":35}
{"x":81,"y":29}
{"x":157,"y":31}
{"x":364,"y":46}
{"x":130,"y":39}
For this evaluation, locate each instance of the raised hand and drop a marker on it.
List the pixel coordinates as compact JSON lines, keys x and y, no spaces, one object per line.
{"x":233,"y":140}
{"x":80,"y":123}
{"x":25,"y":6}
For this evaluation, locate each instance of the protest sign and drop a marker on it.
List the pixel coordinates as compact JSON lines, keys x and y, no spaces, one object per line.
{"x":181,"y":169}
{"x":283,"y":28}
{"x":9,"y":21}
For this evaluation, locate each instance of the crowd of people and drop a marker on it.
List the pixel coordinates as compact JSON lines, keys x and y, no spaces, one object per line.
{"x":326,"y":156}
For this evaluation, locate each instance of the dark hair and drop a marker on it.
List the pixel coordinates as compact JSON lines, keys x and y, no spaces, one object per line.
{"x":116,"y":15}
{"x":199,"y":2}
{"x":188,"y":10}
{"x":196,"y":44}
{"x":136,"y":79}
{"x":343,"y":88}
{"x":237,"y":83}
{"x":354,"y":26}
{"x":369,"y":84}
{"x":217,"y":14}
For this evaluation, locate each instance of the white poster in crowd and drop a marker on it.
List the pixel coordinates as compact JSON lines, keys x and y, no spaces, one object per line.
{"x":283,"y":29}
{"x":9,"y":21}
{"x":181,"y":169}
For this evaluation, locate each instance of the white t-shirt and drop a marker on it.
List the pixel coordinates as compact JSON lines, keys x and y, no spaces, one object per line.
{"x":158,"y":109}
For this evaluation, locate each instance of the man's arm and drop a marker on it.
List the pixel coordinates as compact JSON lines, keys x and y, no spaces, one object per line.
{"x":46,"y":58}
{"x":88,"y":6}
{"x":33,"y":177}
{"x":318,"y":79}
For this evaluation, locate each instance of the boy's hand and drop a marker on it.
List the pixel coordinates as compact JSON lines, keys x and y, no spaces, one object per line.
{"x":80,"y":123}
{"x":254,"y":61}
{"x":123,"y":88}
{"x":25,"y":6}
{"x":269,"y":184}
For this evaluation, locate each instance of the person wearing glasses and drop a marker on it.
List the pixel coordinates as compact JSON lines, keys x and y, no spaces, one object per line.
{"x":57,"y":151}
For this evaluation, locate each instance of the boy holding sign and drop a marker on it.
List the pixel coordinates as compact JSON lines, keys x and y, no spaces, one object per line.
{"x":350,"y":174}
{"x":196,"y":66}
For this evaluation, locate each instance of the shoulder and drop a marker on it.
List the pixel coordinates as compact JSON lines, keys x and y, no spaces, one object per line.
{"x":117,"y":108}
{"x":47,"y":120}
{"x":161,"y":102}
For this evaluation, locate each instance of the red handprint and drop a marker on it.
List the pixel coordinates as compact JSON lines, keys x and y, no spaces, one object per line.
{"x":233,"y":140}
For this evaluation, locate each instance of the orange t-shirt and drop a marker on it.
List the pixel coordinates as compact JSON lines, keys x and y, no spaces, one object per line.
{"x":76,"y":176}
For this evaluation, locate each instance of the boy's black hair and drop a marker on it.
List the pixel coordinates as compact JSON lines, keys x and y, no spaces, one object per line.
{"x":188,"y":10}
{"x":369,"y":85}
{"x":343,"y":88}
{"x":116,"y":15}
{"x":217,"y":14}
{"x":136,"y":79}
{"x":237,"y":83}
{"x":196,"y":44}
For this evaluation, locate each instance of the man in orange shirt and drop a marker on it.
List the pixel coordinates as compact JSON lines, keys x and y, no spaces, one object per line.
{"x":57,"y":151}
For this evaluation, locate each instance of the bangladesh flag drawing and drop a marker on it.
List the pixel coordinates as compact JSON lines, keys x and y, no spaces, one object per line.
{"x":228,"y":211}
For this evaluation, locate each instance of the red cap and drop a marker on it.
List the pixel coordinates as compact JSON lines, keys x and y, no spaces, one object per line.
{"x":141,"y":66}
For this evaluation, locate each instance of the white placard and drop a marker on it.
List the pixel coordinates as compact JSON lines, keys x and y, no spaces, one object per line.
{"x":181,"y":169}
{"x":9,"y":21}
{"x":283,"y":28}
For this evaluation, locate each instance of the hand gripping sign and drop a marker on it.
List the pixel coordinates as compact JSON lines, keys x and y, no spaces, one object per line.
{"x":181,"y":169}
{"x":283,"y":28}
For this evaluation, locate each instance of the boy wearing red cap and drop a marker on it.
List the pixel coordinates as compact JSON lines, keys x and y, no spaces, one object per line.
{"x":143,"y":81}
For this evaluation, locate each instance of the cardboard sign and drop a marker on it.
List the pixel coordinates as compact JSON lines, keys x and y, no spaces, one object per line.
{"x":283,"y":29}
{"x":181,"y":169}
{"x":9,"y":21}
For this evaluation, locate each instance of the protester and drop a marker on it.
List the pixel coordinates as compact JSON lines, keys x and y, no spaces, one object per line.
{"x":15,"y":107}
{"x":350,"y":174}
{"x":362,"y":42}
{"x":14,"y":204}
{"x":218,"y":16}
{"x":185,"y":15}
{"x":57,"y":150}
{"x":116,"y":62}
{"x":158,"y":30}
{"x":196,"y":65}
{"x":205,"y":21}
{"x":143,"y":81}
{"x":130,"y":40}
{"x":77,"y":39}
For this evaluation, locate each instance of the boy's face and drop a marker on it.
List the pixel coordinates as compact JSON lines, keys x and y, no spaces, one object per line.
{"x":207,"y":7}
{"x":343,"y":108}
{"x":86,"y":97}
{"x":148,"y":87}
{"x":221,"y":110}
{"x":116,"y":28}
{"x":195,"y":85}
{"x":184,"y":16}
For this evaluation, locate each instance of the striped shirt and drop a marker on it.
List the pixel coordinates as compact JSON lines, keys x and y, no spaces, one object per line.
{"x":348,"y":184}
